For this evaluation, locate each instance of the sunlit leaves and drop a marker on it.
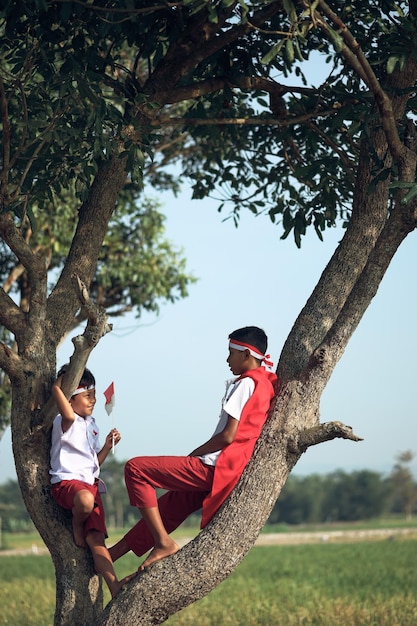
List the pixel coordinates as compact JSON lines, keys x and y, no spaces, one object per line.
{"x":82,"y":75}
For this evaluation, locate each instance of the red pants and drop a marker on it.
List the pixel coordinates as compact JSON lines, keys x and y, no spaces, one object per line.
{"x":64,"y":493}
{"x":188,"y":480}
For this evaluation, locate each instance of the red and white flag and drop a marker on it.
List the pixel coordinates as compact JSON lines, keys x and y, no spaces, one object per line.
{"x":110,"y":399}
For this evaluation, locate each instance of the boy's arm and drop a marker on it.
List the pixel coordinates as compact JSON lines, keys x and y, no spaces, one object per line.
{"x":108,"y":445}
{"x":220,"y":440}
{"x":64,"y":407}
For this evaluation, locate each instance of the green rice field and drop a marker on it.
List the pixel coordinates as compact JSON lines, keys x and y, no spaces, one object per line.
{"x":370,"y":583}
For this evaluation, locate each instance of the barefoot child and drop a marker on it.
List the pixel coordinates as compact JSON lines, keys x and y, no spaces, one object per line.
{"x":206,"y":477}
{"x":75,"y":466}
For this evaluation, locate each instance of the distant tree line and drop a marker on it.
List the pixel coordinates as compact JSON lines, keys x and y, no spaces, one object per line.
{"x":336,"y":497}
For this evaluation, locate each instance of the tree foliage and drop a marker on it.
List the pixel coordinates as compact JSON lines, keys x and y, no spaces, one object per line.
{"x":98,"y":97}
{"x":286,"y":148}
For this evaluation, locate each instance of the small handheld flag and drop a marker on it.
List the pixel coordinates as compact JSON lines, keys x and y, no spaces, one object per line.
{"x":110,"y":400}
{"x":109,"y":405}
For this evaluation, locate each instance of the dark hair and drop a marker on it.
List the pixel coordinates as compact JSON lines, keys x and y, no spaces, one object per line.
{"x":252,"y":335}
{"x":87,"y":378}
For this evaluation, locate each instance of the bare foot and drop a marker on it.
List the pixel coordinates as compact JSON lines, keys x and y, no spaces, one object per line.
{"x":158,"y":553}
{"x":78,"y":530}
{"x":115,"y":588}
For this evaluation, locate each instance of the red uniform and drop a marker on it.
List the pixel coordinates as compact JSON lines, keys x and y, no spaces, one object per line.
{"x":193,"y":485}
{"x":234,"y":458}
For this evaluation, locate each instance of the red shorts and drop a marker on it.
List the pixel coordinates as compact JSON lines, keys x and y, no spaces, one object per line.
{"x":64,"y":493}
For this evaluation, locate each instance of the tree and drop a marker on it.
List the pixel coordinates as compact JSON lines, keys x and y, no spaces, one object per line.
{"x":404,"y":488}
{"x":13,"y":513}
{"x":357,"y":496}
{"x":301,"y":501}
{"x":89,"y":93}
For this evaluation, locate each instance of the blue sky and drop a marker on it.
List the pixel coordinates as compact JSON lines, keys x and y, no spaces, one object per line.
{"x":169,"y":372}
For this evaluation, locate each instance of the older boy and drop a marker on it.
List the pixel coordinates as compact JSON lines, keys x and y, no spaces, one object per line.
{"x":206,"y":477}
{"x":75,"y":466}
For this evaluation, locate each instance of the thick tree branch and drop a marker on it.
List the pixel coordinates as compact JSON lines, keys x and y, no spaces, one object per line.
{"x":12,"y":236}
{"x":199,"y":41}
{"x":320,"y":434}
{"x":94,"y":216}
{"x":253,"y":83}
{"x":11,"y":316}
{"x":10,"y":362}
{"x":97,"y":327}
{"x":35,"y":267}
{"x":402,"y":221}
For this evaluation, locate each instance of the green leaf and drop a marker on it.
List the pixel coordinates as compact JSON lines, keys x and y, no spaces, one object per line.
{"x":290,"y":10}
{"x":391,"y":63}
{"x":273,"y":52}
{"x":410,"y":195}
{"x":336,"y":39}
{"x":289,"y":50}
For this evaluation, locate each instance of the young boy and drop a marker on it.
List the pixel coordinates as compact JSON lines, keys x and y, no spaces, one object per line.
{"x":75,"y":466}
{"x":206,"y":477}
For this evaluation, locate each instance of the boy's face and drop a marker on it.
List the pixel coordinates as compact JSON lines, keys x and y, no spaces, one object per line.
{"x":83,"y":403}
{"x":238,"y":361}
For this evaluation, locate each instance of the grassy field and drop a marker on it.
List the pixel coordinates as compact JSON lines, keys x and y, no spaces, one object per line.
{"x":355,"y":584}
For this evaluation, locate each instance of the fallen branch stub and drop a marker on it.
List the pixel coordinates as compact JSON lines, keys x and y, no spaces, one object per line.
{"x":320,"y":434}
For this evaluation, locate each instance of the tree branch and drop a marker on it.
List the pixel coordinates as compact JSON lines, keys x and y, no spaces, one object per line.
{"x":240,"y":121}
{"x":10,"y":362}
{"x":349,"y":165}
{"x":320,"y":434}
{"x":354,"y":56}
{"x":401,"y":222}
{"x":12,"y":236}
{"x":254,"y":83}
{"x":6,"y":137}
{"x":199,"y":41}
{"x":94,"y":216}
{"x":97,"y":327}
{"x":11,"y":316}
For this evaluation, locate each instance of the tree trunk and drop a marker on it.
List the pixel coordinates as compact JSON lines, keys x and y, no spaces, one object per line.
{"x":79,"y":597}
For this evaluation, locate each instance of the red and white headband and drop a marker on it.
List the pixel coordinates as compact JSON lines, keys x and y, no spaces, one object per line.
{"x":83,"y":388}
{"x":239,"y":345}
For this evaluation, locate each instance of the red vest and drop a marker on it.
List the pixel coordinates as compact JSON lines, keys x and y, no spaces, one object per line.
{"x":234,"y":457}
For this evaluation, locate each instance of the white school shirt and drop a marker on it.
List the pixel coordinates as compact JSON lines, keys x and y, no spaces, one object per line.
{"x":74,"y":452}
{"x":236,"y":395}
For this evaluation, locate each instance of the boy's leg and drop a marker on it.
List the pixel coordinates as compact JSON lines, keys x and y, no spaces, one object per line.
{"x":79,"y":498}
{"x":163,"y":544}
{"x":103,"y":563}
{"x":182,"y":475}
{"x":174,"y":473}
{"x":82,"y":508}
{"x":174,"y":508}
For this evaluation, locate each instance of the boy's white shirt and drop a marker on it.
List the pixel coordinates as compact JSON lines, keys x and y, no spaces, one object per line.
{"x":74,"y":452}
{"x":236,"y":395}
